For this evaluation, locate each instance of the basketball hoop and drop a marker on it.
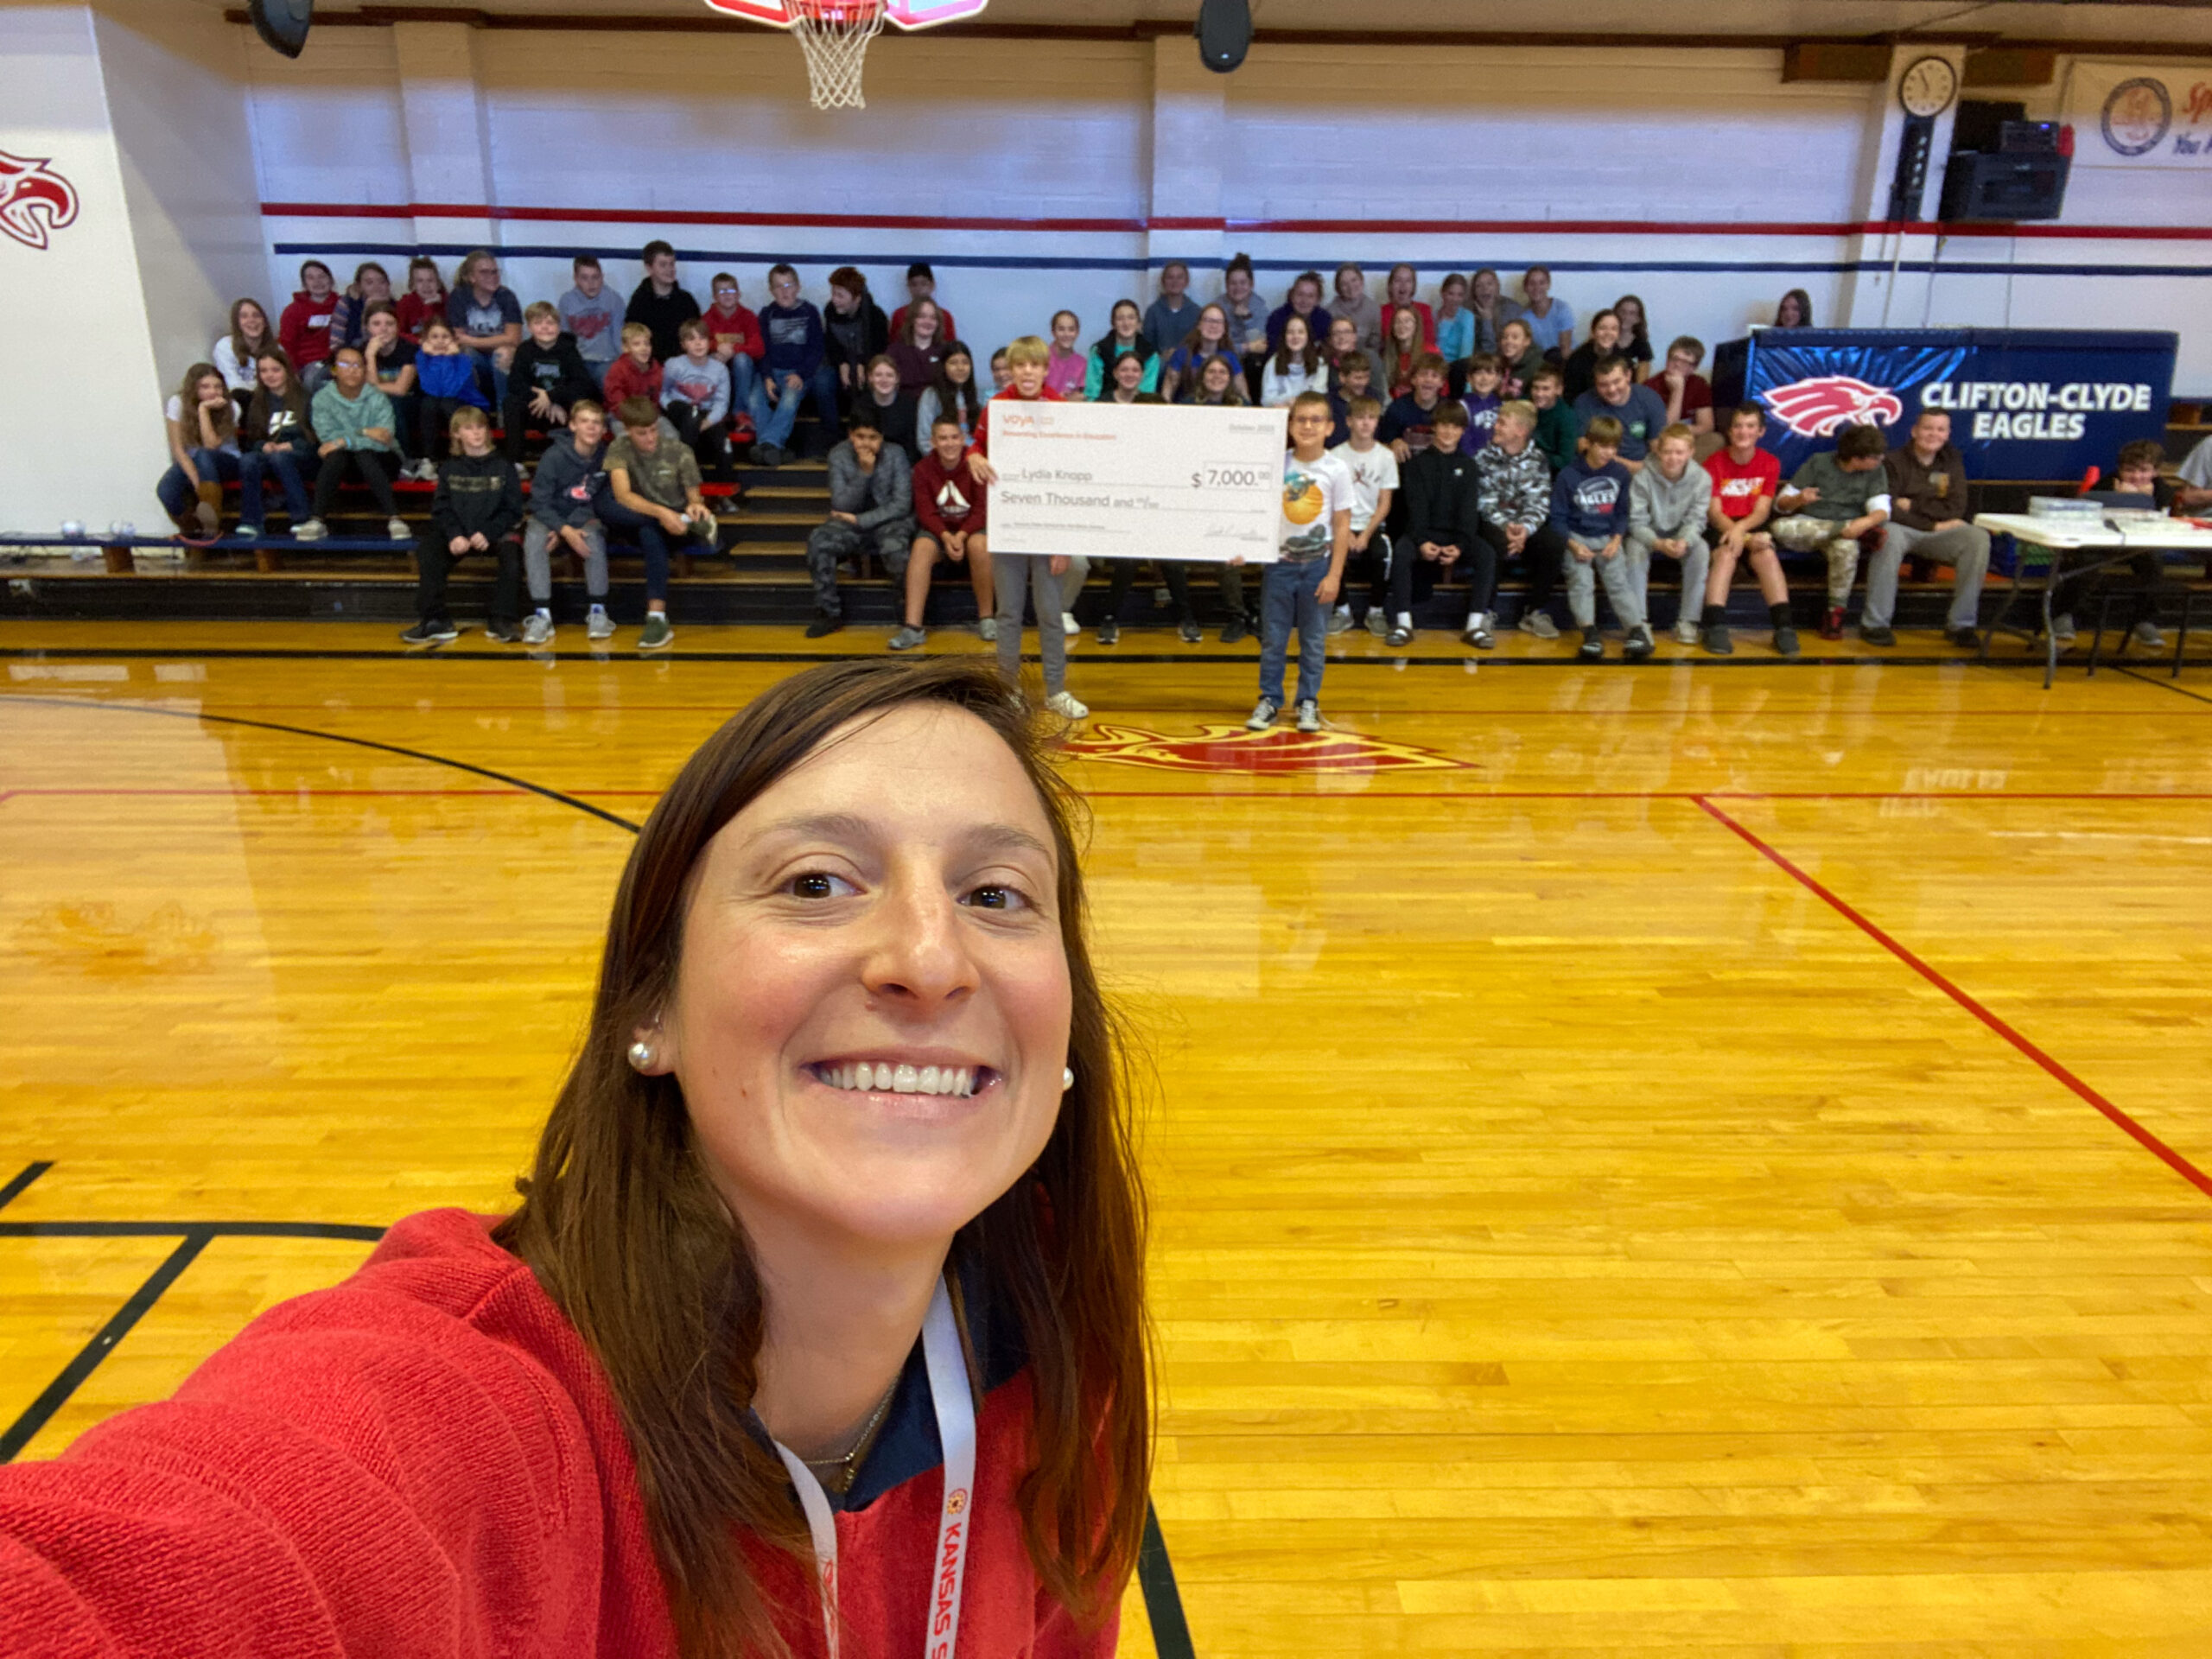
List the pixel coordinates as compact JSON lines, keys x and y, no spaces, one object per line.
{"x":835,"y":34}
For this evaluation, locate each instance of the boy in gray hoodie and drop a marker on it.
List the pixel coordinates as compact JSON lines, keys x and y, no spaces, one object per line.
{"x":565,"y":495}
{"x":1666,"y":506}
{"x":871,"y":505}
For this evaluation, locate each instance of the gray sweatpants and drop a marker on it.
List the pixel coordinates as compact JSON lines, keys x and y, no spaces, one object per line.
{"x":1014,"y":577}
{"x":1696,"y":562}
{"x":1623,"y":585}
{"x":827,"y":544}
{"x":1801,"y":534}
{"x":538,"y":544}
{"x":1964,"y":547}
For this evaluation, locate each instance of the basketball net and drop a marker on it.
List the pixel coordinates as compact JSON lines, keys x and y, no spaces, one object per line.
{"x":835,"y":34}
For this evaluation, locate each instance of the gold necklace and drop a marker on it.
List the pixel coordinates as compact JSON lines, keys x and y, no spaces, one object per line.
{"x":843,"y":1467}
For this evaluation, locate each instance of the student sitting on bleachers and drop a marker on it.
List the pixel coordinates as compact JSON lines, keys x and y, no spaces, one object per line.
{"x":1668,"y":506}
{"x":1687,"y":394}
{"x":1353,"y":303}
{"x":1341,"y":342}
{"x":353,"y":420}
{"x":486,"y":320}
{"x":1590,"y":509}
{"x":1399,"y":293}
{"x":1927,"y":480}
{"x":1637,"y":409}
{"x":1295,"y":369}
{"x":477,"y":509}
{"x":277,"y":440}
{"x":1514,"y":483}
{"x":1482,"y":401}
{"x":1557,"y":427}
{"x":1746,"y":482}
{"x":695,"y":394}
{"x":633,"y":374}
{"x":1128,"y":384}
{"x":919,"y":347}
{"x":593,"y":316}
{"x":304,"y":329}
{"x":1551,"y":321}
{"x":1835,"y":498}
{"x":1069,"y":362}
{"x":425,"y":296}
{"x":1221,"y":381}
{"x":2143,"y":580}
{"x":1580,"y":366}
{"x":1373,"y":471}
{"x":1125,"y":336}
{"x":1455,"y":324}
{"x":390,"y":360}
{"x":654,"y":491}
{"x":1409,"y":422}
{"x":797,"y":364}
{"x":952,"y":394}
{"x":1443,"y":522}
{"x":372,"y":285}
{"x":566,"y":491}
{"x":1636,"y":335}
{"x":1354,"y":380}
{"x":548,"y":377}
{"x":203,"y":432}
{"x":891,"y":406}
{"x":1248,"y":317}
{"x":921,"y":285}
{"x":1521,"y":358}
{"x":659,"y":301}
{"x":871,"y":508}
{"x":734,"y":337}
{"x":248,"y":337}
{"x":855,"y":332}
{"x":950,"y":512}
{"x":1172,"y":316}
{"x":1205,"y":338}
{"x":1402,"y":347}
{"x":445,"y":379}
{"x":1303,"y":301}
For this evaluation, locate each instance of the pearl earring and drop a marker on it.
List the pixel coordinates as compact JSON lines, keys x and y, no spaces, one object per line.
{"x":1067,"y":1078}
{"x":641,"y":1055}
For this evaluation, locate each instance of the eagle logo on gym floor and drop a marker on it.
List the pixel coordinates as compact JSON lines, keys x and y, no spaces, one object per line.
{"x":35,"y":199}
{"x":1822,"y":406}
{"x":1232,"y":749}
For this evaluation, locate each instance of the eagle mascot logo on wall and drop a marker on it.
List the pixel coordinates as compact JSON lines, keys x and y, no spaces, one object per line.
{"x":35,"y":199}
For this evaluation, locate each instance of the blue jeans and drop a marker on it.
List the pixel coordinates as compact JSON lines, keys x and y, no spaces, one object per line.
{"x":490,"y":376}
{"x":175,"y":491}
{"x":1288,"y":597}
{"x":651,"y":540}
{"x":776,"y":428}
{"x":292,"y":471}
{"x":743,"y":371}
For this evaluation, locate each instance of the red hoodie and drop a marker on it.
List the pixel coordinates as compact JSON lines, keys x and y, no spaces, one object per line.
{"x":304,"y":329}
{"x":740,"y":328}
{"x":978,"y":444}
{"x":426,"y":1460}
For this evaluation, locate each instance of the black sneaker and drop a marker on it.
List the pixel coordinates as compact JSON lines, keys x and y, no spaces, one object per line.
{"x":1785,"y":641}
{"x":430,"y":633}
{"x":767,"y":454}
{"x":1110,"y":633}
{"x":1237,"y":629}
{"x":1192,"y":634}
{"x":1593,"y":648}
{"x":1716,"y":642}
{"x":1639,"y":644}
{"x":1875,"y":634}
{"x":502,"y":634}
{"x":823,"y":625}
{"x":1964,"y":639}
{"x":1398,"y":637}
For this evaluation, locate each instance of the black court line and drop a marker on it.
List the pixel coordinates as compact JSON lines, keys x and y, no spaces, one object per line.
{"x":2163,"y":685}
{"x":424,"y":755}
{"x":24,"y":1177}
{"x":1163,"y":1602}
{"x":300,"y":654}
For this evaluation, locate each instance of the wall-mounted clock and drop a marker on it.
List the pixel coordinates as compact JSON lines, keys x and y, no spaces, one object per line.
{"x":1928,"y":88}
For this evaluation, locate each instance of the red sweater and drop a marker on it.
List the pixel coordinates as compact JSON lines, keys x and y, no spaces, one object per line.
{"x":625,"y":380}
{"x":741,"y":329}
{"x":978,"y":445}
{"x":946,"y":502}
{"x":414,"y":311}
{"x":425,"y":1460}
{"x":304,"y":329}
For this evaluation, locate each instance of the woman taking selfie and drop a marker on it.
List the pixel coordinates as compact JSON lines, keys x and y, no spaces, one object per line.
{"x":833,"y":1244}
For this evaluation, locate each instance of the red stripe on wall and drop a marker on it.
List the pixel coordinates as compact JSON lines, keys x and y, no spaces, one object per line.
{"x":1255,"y":226}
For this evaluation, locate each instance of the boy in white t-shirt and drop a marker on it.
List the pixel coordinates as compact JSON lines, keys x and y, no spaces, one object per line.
{"x":1374,"y":481}
{"x":1314,"y":537}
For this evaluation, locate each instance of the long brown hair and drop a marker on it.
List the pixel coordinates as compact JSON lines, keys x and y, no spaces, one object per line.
{"x":620,"y":1225}
{"x":188,"y":399}
{"x":241,"y":348}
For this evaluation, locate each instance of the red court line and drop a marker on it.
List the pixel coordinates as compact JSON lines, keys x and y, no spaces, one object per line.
{"x":2165,"y":1153}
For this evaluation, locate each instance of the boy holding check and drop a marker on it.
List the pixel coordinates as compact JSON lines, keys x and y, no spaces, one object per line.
{"x":1314,"y":537}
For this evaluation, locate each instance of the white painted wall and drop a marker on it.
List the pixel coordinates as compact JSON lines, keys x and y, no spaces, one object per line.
{"x":73,"y":445}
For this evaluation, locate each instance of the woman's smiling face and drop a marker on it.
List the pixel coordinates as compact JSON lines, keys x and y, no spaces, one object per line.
{"x":872,"y":998}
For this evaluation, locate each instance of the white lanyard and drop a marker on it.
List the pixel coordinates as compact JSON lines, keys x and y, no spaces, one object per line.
{"x":956,"y":1432}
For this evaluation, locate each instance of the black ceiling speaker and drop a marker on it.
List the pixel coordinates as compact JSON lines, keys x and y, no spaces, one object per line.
{"x":282,"y":24}
{"x":1224,"y":33}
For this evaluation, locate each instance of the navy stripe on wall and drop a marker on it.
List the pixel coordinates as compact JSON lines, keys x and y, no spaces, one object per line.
{"x":1038,"y":261}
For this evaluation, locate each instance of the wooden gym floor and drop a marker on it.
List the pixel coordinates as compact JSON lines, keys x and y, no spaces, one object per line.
{"x":1701,"y":1159}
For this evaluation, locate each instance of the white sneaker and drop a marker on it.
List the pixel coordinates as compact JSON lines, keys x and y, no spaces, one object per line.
{"x":599,"y":625}
{"x":313,"y":529}
{"x":988,"y":627}
{"x":1309,"y":716}
{"x":396,"y":527}
{"x":1263,"y":715}
{"x":1540,"y":623}
{"x":1686,"y":631}
{"x":1063,"y":704}
{"x":2062,"y":628}
{"x":1069,"y":625}
{"x":537,"y":631}
{"x":427,"y":470}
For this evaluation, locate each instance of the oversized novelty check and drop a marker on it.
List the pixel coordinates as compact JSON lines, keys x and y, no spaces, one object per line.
{"x":1136,"y":481}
